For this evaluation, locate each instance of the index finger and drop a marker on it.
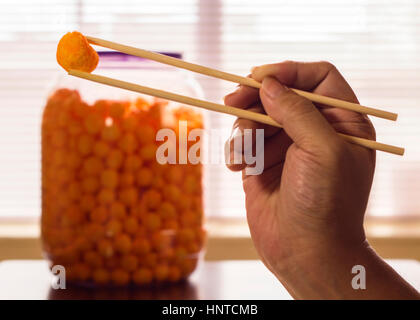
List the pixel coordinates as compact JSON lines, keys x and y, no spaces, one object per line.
{"x":319,"y":77}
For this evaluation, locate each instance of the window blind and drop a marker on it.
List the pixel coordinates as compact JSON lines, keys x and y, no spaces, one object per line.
{"x":374,"y":43}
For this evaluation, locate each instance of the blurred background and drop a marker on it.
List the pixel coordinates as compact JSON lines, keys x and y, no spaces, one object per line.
{"x":374,"y":43}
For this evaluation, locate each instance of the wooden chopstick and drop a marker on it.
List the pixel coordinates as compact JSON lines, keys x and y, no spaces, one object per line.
{"x":241,"y":113}
{"x":237,"y":79}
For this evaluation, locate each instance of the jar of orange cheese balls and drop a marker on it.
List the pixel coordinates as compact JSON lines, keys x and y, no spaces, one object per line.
{"x":112,"y":214}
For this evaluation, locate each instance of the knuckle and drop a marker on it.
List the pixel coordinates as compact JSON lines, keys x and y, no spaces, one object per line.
{"x":296,"y":106}
{"x":242,"y":124}
{"x":288,"y":62}
{"x":328,"y":66}
{"x":370,"y":130}
{"x":331,"y":153}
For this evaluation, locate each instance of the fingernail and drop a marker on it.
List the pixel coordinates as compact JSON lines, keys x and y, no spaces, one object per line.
{"x":232,"y":93}
{"x":228,"y":96}
{"x":272,"y":88}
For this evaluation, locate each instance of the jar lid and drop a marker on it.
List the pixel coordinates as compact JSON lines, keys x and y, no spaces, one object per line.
{"x":116,"y":59}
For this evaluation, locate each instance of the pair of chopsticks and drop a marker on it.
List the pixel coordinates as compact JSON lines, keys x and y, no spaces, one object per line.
{"x":241,"y":113}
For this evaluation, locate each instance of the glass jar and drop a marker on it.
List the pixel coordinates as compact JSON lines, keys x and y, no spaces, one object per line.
{"x":111,"y":213}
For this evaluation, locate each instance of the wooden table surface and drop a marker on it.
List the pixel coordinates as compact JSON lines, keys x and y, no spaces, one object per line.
{"x":31,"y":279}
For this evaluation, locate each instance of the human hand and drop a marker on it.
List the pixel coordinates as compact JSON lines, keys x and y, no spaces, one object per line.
{"x":312,"y":195}
{"x":306,"y":210}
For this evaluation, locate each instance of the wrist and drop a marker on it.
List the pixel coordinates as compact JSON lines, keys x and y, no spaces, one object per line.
{"x":322,"y":270}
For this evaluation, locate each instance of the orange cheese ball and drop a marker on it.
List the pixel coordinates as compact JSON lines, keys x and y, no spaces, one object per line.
{"x":167,"y":210}
{"x":74,"y":128}
{"x":109,"y":178}
{"x":148,"y":152}
{"x":144,"y":177}
{"x":172,"y":193}
{"x":94,"y":231}
{"x":59,"y":139}
{"x":101,"y":276}
{"x":106,"y":196}
{"x":82,"y":271}
{"x":141,"y":246}
{"x":105,"y":248}
{"x":191,"y":184}
{"x":113,"y":228}
{"x":189,"y":219}
{"x":143,"y":276}
{"x":152,"y":198}
{"x":99,"y":215}
{"x":101,"y":149}
{"x":93,"y":165}
{"x":160,"y":242}
{"x":170,"y":224}
{"x":131,"y":225}
{"x":110,"y":133}
{"x":158,"y":183}
{"x":73,"y":216}
{"x":75,"y":52}
{"x":129,"y":262}
{"x":73,"y":160}
{"x":150,"y":260}
{"x":185,"y":236}
{"x":117,"y":110}
{"x":193,"y":247}
{"x":142,"y":104}
{"x":130,"y":124}
{"x":90,"y":184}
{"x":180,"y":254}
{"x":120,"y":277}
{"x":66,"y":255}
{"x":93,"y":259}
{"x":123,"y":243}
{"x":114,"y":159}
{"x":188,"y":265}
{"x":132,"y":163}
{"x":112,"y":263}
{"x":141,"y":231}
{"x":63,"y":176}
{"x":184,"y":203}
{"x":174,"y":174}
{"x":82,"y":243}
{"x":146,"y":134}
{"x":174,"y":274}
{"x":117,"y":210}
{"x":85,"y":144}
{"x":161,"y":272}
{"x":128,"y":143}
{"x":127,"y":179}
{"x":87,"y":202}
{"x":128,"y":196}
{"x":81,"y":110}
{"x":152,"y":222}
{"x":101,"y":107}
{"x":93,"y":123}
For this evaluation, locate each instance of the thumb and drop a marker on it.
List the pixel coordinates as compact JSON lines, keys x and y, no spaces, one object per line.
{"x":301,"y":120}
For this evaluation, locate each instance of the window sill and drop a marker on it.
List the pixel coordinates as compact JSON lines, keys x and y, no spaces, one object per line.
{"x":230,"y":239}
